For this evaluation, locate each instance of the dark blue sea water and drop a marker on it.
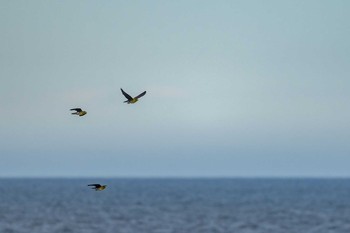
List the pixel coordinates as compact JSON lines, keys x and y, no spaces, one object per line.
{"x":175,"y":205}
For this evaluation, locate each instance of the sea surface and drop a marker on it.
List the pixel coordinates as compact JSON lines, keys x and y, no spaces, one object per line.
{"x":175,"y":205}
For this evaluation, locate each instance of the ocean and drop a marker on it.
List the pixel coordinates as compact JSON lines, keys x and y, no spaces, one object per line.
{"x":175,"y":206}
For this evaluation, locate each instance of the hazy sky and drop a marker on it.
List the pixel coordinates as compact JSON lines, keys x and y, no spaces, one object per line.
{"x":234,"y":88}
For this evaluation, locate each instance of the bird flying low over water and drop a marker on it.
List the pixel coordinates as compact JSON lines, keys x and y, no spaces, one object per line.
{"x":98,"y":187}
{"x":78,"y":112}
{"x":130,"y":99}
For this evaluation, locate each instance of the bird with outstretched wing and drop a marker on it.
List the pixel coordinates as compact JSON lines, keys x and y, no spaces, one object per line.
{"x":78,"y":111}
{"x":131,"y":100}
{"x":98,"y":187}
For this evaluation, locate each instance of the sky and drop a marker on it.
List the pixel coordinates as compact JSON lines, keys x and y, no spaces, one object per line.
{"x":234,"y":88}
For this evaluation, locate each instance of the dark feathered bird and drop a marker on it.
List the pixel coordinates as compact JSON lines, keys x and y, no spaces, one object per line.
{"x":78,"y":111}
{"x":98,"y":187}
{"x":131,"y":100}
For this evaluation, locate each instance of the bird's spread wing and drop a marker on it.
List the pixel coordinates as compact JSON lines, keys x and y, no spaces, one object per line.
{"x":96,"y":185}
{"x":140,"y":95}
{"x":76,"y":109}
{"x":126,"y":94}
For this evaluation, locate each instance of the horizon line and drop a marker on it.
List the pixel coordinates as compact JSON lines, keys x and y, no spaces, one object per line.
{"x":177,"y":177}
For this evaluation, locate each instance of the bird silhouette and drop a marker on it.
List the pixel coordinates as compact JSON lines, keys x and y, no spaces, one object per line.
{"x":131,"y":100}
{"x":98,"y":187}
{"x":78,"y":111}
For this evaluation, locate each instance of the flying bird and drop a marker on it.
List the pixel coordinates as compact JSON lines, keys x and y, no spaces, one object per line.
{"x":78,"y":111}
{"x":130,"y":99}
{"x":98,"y":187}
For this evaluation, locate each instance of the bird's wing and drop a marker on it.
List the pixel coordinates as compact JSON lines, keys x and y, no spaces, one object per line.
{"x":126,"y":94}
{"x":96,"y":185}
{"x":76,"y":109}
{"x":140,"y":95}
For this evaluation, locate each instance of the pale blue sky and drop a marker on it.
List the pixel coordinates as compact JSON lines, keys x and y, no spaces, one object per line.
{"x":234,"y":88}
